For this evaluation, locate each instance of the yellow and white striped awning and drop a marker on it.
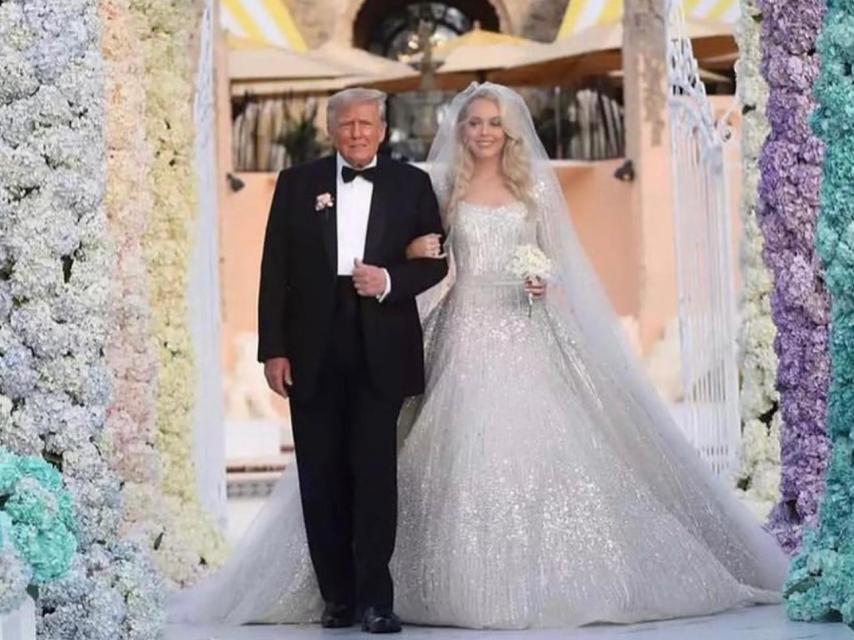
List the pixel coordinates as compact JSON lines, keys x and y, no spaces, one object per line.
{"x":266,"y":23}
{"x":582,"y":14}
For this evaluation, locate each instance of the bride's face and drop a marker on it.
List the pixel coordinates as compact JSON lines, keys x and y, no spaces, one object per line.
{"x":483,"y":131}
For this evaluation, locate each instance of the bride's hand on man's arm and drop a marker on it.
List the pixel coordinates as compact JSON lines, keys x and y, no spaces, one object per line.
{"x":428,"y":246}
{"x":536,"y":287}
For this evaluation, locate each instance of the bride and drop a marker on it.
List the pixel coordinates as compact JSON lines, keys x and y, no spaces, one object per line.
{"x":542,"y":483}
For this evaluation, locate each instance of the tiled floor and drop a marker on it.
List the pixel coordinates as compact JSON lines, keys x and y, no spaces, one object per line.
{"x":754,"y":623}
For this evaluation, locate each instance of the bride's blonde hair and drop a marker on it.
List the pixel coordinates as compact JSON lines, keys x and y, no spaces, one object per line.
{"x":515,"y":159}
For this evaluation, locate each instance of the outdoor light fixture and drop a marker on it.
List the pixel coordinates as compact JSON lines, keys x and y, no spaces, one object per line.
{"x":626,"y":172}
{"x":234,"y":183}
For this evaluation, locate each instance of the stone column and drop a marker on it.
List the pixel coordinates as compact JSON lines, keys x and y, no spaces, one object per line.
{"x":648,"y":149}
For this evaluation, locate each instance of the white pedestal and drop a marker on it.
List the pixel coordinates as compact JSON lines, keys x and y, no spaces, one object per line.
{"x":21,"y":623}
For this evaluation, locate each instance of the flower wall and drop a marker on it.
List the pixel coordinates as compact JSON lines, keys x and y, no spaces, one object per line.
{"x":55,"y":269}
{"x":191,"y":543}
{"x":790,"y":165}
{"x":759,"y":475}
{"x":821,"y":580}
{"x":96,"y":365}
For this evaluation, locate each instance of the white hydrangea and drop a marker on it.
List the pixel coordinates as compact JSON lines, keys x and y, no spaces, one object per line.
{"x":84,"y":605}
{"x":761,"y":456}
{"x":24,"y":439}
{"x":18,"y":376}
{"x":760,"y":461}
{"x":15,"y":575}
{"x":19,"y":77}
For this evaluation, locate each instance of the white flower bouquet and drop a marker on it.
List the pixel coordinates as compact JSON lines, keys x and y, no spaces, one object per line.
{"x":528,"y":262}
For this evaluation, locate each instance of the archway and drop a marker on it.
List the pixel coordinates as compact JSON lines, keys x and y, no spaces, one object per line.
{"x":390,"y":28}
{"x":385,"y":26}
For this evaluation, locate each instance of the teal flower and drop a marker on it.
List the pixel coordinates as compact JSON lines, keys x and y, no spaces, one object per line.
{"x":820,"y":584}
{"x":33,"y":504}
{"x":37,"y":521}
{"x":8,"y":471}
{"x":48,"y":551}
{"x":37,"y":468}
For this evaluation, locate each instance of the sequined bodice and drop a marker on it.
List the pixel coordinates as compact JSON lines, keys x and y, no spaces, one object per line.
{"x":484,"y":238}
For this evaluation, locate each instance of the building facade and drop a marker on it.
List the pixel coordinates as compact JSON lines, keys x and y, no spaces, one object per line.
{"x":358,"y":22}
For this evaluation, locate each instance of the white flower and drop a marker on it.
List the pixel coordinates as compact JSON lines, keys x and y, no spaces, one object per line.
{"x":323,"y":201}
{"x":18,"y":377}
{"x":6,"y":302}
{"x":15,"y":575}
{"x":169,"y":83}
{"x":55,"y":303}
{"x":760,"y":465}
{"x":529,"y":261}
{"x":19,"y":77}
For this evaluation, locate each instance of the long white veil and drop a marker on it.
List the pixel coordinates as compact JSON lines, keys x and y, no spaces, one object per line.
{"x":577,"y":291}
{"x":580,"y":311}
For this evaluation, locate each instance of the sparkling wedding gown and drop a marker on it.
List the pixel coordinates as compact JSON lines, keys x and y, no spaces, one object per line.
{"x":533,"y":490}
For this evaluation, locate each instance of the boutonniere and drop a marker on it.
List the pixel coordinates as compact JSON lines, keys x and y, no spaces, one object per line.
{"x":323,"y":202}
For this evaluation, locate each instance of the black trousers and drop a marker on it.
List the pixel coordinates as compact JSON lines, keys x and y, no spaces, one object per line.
{"x":346,"y":450}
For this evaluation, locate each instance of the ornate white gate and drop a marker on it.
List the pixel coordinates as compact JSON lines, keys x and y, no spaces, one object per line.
{"x":704,"y":261}
{"x":203,"y":291}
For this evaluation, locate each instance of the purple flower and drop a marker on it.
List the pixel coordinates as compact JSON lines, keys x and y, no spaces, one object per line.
{"x":789,"y":188}
{"x":789,"y":112}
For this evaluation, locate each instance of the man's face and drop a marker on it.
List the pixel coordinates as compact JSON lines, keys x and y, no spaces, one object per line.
{"x":357,"y":132}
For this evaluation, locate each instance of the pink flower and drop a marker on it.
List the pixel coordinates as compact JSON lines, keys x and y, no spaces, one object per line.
{"x":323,"y":201}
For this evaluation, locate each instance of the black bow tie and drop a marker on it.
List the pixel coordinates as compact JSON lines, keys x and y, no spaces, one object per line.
{"x":349,"y":173}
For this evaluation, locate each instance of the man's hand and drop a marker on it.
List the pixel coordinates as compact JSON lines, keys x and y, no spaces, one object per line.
{"x":368,"y":280}
{"x":278,"y":374}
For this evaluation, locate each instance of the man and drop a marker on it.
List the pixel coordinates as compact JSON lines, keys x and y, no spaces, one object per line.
{"x":339,"y":334}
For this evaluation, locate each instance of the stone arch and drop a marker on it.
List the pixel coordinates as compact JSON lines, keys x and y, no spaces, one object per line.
{"x":354,"y":25}
{"x":543,"y":18}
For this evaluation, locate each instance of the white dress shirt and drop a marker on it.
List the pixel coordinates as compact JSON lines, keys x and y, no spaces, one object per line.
{"x":353,"y":208}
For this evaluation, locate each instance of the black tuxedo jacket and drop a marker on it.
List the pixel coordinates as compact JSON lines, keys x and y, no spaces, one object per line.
{"x":296,"y":301}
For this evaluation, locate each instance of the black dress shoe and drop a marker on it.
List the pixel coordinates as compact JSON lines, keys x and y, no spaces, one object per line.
{"x":380,"y":620}
{"x":336,"y":616}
